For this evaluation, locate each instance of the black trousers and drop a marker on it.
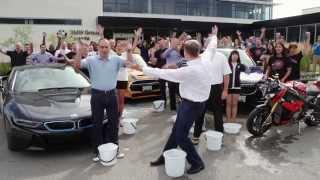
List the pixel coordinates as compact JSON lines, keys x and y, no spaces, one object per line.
{"x":214,"y":104}
{"x":173,"y":92}
{"x":104,"y":133}
{"x":187,"y":113}
{"x":163,"y":94}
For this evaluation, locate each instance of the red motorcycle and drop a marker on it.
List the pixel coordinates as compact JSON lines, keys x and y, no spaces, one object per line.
{"x":291,"y":102}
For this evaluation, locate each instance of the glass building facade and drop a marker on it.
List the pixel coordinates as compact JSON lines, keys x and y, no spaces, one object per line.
{"x":244,"y":9}
{"x":296,"y":33}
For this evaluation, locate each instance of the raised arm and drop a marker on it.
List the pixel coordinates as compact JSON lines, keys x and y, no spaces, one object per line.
{"x":263,"y":33}
{"x":44,"y":35}
{"x":239,"y":34}
{"x":59,"y":42}
{"x":211,"y":48}
{"x":137,"y":35}
{"x":173,"y":75}
{"x":3,"y":51}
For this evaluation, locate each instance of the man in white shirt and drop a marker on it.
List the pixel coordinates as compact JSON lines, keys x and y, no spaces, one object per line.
{"x":195,"y":80}
{"x":62,"y":51}
{"x":219,"y":91}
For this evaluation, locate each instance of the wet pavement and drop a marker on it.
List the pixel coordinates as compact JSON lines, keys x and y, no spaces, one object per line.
{"x":281,"y":154}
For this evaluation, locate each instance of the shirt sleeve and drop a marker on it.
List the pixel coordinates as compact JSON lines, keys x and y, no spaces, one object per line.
{"x":57,"y":53}
{"x":166,"y":53}
{"x":9,"y":53}
{"x":226,"y":66}
{"x":121,"y":60}
{"x":84,"y":63}
{"x":173,"y":75}
{"x":139,"y":60}
{"x":211,"y":49}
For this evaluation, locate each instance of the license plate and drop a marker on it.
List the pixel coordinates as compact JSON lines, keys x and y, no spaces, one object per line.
{"x":146,"y":88}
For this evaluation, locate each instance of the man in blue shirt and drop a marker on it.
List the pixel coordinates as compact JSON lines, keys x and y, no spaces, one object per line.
{"x":173,"y":56}
{"x":103,"y":70}
{"x":43,"y":57}
{"x":316,"y":54}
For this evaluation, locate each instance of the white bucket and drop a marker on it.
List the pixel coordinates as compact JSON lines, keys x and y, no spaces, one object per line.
{"x":129,"y":126}
{"x":108,"y":154}
{"x":214,"y":140}
{"x":158,"y":105}
{"x":175,"y":162}
{"x":232,"y":128}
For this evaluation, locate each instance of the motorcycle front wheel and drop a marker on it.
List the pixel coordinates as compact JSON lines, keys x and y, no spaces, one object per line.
{"x":255,"y":121}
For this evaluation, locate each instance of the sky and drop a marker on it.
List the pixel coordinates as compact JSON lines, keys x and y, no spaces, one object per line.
{"x":292,"y":7}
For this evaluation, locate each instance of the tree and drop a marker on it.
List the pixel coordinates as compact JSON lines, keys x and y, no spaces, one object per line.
{"x":21,"y":34}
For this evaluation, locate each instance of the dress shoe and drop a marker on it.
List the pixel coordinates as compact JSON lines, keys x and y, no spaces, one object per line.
{"x":158,"y":162}
{"x":195,"y":169}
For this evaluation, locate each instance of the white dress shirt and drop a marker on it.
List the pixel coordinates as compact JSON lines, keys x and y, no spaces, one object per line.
{"x":123,"y":73}
{"x":62,"y":51}
{"x":217,"y":63}
{"x":194,"y":80}
{"x":219,"y":68}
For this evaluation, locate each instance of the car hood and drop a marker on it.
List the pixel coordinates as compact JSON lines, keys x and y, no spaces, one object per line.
{"x":44,"y":108}
{"x":135,"y":75}
{"x":250,"y":78}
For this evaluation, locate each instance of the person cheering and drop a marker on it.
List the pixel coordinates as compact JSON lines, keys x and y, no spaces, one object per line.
{"x":279,"y":64}
{"x":103,"y":70}
{"x":193,"y":99}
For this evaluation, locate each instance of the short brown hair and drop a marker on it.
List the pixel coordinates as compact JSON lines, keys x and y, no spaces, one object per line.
{"x":192,"y":47}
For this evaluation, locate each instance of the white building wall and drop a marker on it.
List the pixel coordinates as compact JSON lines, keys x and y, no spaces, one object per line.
{"x":86,"y":10}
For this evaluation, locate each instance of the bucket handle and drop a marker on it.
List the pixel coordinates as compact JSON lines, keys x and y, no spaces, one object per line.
{"x":111,"y":159}
{"x":161,"y":104}
{"x":134,"y":126}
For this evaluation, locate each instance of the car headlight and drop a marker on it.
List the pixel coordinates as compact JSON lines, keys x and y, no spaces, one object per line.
{"x":27,"y":123}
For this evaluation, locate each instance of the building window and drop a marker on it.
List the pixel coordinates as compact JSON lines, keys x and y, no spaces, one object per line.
{"x":163,"y":7}
{"x":307,"y":28}
{"x":130,"y":6}
{"x":40,"y":21}
{"x":12,"y":21}
{"x":198,"y":7}
{"x":181,"y":7}
{"x":57,"y":21}
{"x":293,"y":34}
{"x":191,"y":7}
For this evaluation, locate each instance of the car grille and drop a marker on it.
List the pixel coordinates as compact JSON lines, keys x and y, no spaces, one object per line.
{"x":138,"y":85}
{"x":60,"y":125}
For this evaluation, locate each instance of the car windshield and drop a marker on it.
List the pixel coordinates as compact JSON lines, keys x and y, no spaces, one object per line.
{"x":32,"y":80}
{"x":245,"y":59}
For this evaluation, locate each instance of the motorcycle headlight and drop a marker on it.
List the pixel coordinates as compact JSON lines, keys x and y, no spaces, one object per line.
{"x":27,"y":123}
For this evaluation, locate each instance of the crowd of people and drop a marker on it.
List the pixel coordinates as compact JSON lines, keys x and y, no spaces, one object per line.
{"x":191,"y":68}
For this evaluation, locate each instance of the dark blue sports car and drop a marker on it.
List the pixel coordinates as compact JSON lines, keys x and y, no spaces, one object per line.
{"x":42,"y":102}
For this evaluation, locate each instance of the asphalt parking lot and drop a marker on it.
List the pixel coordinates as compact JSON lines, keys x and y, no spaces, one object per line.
{"x":281,"y":154}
